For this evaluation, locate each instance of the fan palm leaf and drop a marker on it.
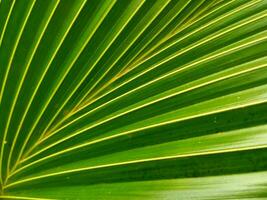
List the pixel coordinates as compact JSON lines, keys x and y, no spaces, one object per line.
{"x":138,"y":99}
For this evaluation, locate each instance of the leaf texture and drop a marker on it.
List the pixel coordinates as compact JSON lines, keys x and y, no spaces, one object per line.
{"x":137,"y":99}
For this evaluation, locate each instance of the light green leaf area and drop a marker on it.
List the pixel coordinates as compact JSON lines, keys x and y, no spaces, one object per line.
{"x":133,"y":99}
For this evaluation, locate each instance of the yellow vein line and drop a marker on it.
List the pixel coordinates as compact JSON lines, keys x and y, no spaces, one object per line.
{"x":133,"y":41}
{"x":56,"y":126}
{"x":153,"y":102}
{"x":185,"y":67}
{"x":85,"y":76}
{"x":189,"y":14}
{"x":164,"y":76}
{"x":13,"y":49}
{"x":177,"y":41}
{"x":6,"y":22}
{"x":161,"y":99}
{"x":43,"y":75}
{"x":141,"y":161}
{"x":5,"y":79}
{"x":216,"y":110}
{"x":1,"y":39}
{"x":204,"y":13}
{"x":23,"y":78}
{"x":221,"y":17}
{"x":125,"y":50}
{"x":139,"y":61}
{"x":21,"y":197}
{"x":83,"y":101}
{"x":133,"y":64}
{"x":55,"y":90}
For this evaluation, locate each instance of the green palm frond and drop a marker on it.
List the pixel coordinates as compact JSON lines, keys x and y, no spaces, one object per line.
{"x":133,"y":99}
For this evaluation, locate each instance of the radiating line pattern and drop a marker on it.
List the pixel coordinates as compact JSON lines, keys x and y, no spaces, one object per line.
{"x":137,"y":99}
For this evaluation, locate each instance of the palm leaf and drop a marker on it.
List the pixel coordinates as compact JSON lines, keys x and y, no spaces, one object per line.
{"x":138,"y":99}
